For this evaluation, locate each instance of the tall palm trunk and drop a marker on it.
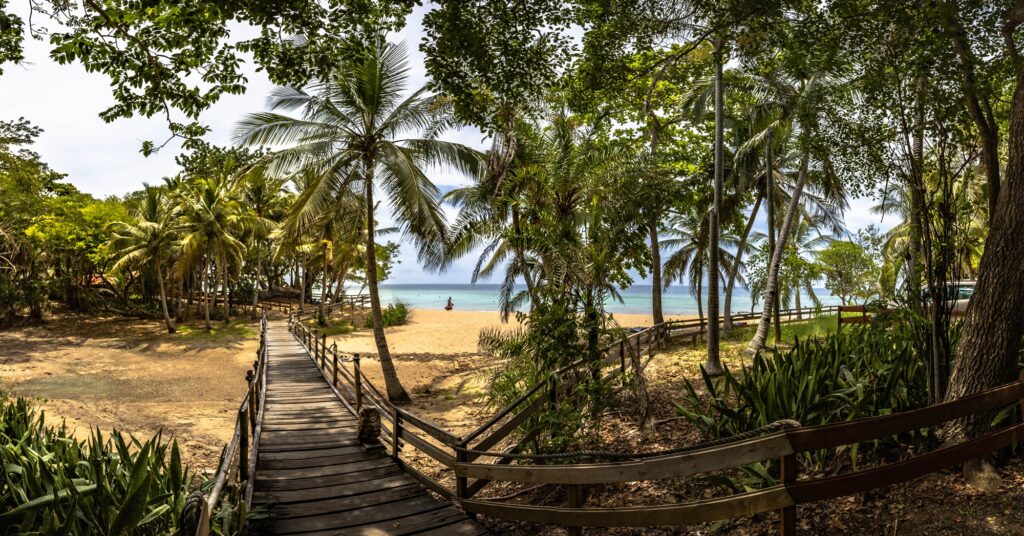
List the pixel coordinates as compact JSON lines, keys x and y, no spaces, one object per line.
{"x":770,"y":187}
{"x":772,"y":284}
{"x":302,"y":283}
{"x":652,"y":231}
{"x":323,"y":290}
{"x":206,"y":291}
{"x":735,"y":269}
{"x":224,"y":280}
{"x":713,"y":365}
{"x":163,"y":297}
{"x":396,"y":393}
{"x":700,"y":309}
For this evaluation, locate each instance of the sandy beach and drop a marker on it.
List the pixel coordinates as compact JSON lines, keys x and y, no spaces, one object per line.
{"x":439,"y":364}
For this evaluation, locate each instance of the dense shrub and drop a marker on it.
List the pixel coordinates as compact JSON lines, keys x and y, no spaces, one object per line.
{"x":860,"y":372}
{"x":114,"y":484}
{"x":395,"y":314}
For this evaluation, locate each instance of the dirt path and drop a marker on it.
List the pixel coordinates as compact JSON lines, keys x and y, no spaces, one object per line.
{"x":130,"y":375}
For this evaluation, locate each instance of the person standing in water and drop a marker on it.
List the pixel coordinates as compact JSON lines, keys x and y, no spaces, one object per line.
{"x":450,"y":305}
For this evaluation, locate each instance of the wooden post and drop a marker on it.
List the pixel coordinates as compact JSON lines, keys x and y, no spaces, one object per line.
{"x":243,"y":446}
{"x":249,"y":375}
{"x":787,"y":516}
{"x":396,"y":432}
{"x":650,"y":344}
{"x":359,"y":381}
{"x":323,"y":351}
{"x":461,"y":482}
{"x":335,"y":368}
{"x":575,"y":501}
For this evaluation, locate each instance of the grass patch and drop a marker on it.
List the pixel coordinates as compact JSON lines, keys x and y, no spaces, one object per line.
{"x":237,"y":329}
{"x":343,"y":327}
{"x":818,"y":326}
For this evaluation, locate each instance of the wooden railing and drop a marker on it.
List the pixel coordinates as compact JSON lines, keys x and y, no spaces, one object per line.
{"x":405,"y":430}
{"x":462,"y":454}
{"x":238,"y":461}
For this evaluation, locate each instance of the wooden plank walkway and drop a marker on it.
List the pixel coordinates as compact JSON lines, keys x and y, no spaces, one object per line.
{"x":314,"y":476}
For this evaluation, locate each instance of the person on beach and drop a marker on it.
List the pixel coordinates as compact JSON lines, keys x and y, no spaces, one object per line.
{"x":450,"y":305}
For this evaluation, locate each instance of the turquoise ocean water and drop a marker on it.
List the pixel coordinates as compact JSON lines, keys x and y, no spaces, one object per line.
{"x":635,"y":299}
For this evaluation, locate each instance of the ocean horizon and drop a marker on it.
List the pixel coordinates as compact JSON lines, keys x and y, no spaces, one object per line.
{"x":636,"y":299}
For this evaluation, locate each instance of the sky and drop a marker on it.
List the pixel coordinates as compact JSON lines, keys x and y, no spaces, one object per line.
{"x":103,"y":159}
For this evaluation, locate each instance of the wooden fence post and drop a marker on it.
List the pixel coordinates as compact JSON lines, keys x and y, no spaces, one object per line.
{"x":243,"y":445}
{"x":323,"y":351}
{"x":396,"y":432}
{"x":575,"y":492}
{"x":359,"y":382}
{"x":787,"y":516}
{"x":335,"y":351}
{"x":249,"y":375}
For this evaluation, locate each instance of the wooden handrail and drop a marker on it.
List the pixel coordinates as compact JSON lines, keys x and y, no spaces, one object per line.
{"x":239,"y":456}
{"x":782,"y":446}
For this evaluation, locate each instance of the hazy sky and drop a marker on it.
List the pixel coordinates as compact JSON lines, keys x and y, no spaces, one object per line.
{"x":104,"y":159}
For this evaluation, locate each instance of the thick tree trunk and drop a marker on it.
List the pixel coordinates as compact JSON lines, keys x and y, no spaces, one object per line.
{"x":713,"y":364}
{"x":772,"y":284}
{"x":652,"y":230}
{"x":396,"y":392}
{"x":990,"y":343}
{"x":735,"y":269}
{"x":163,"y":298}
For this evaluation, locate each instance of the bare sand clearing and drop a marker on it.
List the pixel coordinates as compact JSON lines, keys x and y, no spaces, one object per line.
{"x":438,"y":362}
{"x":130,"y":375}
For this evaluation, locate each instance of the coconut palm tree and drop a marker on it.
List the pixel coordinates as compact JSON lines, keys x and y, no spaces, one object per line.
{"x":690,"y":241}
{"x":359,"y":130}
{"x":791,"y":103}
{"x":212,"y":220}
{"x":147,"y":240}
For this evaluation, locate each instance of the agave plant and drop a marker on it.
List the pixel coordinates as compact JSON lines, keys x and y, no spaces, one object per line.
{"x":116,"y":484}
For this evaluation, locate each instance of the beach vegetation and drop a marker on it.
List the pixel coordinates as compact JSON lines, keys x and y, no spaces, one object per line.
{"x":111,"y":483}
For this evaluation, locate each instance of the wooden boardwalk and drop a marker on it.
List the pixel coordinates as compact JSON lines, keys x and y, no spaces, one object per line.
{"x":314,"y":476}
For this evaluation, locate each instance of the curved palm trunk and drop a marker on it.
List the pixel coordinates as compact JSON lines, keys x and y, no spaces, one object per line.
{"x":713,"y":365}
{"x":396,"y":393}
{"x":652,"y":230}
{"x":770,"y":187}
{"x":735,"y":269}
{"x":771,"y":292}
{"x":163,"y":298}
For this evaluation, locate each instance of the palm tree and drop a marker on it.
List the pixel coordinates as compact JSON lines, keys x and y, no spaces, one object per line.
{"x":147,"y":240}
{"x":350,"y":134}
{"x":690,"y":260}
{"x":212,"y":220}
{"x":792,"y":104}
